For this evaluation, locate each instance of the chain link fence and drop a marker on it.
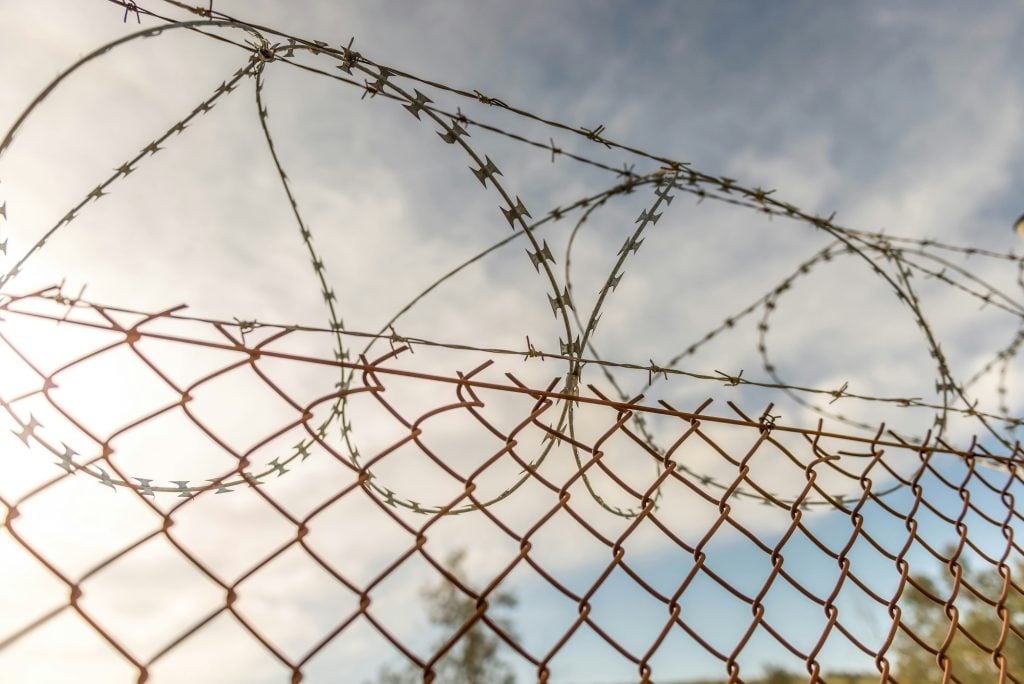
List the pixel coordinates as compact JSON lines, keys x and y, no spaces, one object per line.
{"x":192,"y":499}
{"x":706,"y":538}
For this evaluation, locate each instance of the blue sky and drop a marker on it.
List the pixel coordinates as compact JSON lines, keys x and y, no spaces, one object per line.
{"x":903,"y":117}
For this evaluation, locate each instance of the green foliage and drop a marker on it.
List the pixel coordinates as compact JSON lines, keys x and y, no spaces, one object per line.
{"x":925,"y":615}
{"x":774,"y":674}
{"x":474,"y":659}
{"x":778,"y":675}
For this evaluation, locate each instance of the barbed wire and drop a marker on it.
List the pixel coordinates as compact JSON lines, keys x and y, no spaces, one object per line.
{"x":551,"y":412}
{"x":868,"y":246}
{"x":348,"y":370}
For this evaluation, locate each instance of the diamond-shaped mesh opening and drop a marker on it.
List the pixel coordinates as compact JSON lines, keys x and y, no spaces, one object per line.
{"x":110,"y":391}
{"x":77,"y":524}
{"x":222,"y":651}
{"x":82,"y":651}
{"x":862,"y":623}
{"x":184,"y":365}
{"x":170,"y":447}
{"x":359,"y":651}
{"x":680,"y":657}
{"x":121,"y":599}
{"x":396,"y":606}
{"x":241,"y":500}
{"x":748,"y":568}
{"x":217,"y":546}
{"x":562,"y":547}
{"x":838,"y":651}
{"x":808,"y":565}
{"x":792,"y":615}
{"x":713,"y":613}
{"x":588,"y":651}
{"x":321,"y":474}
{"x":239,"y":408}
{"x":552,"y":603}
{"x":29,"y":591}
{"x":627,"y":612}
{"x":295,"y":602}
{"x":357,"y":537}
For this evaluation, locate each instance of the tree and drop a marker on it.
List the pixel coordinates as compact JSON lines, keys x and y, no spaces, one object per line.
{"x":925,"y":616}
{"x":474,"y":659}
{"x":774,"y":674}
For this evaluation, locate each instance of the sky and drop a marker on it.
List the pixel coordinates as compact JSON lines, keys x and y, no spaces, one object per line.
{"x":902,"y":118}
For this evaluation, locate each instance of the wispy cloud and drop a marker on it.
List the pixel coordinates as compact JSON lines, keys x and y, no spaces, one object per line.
{"x":902,"y":120}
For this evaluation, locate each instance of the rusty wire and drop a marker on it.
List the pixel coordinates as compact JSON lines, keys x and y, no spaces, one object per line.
{"x":860,"y":467}
{"x":868,"y":468}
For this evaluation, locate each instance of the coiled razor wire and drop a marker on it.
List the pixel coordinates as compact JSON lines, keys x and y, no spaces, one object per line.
{"x":894,"y":260}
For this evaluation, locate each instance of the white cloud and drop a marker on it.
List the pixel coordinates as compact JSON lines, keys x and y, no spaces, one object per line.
{"x":921,"y":136}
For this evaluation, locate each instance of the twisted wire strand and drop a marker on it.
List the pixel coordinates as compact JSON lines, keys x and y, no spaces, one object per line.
{"x":867,"y":245}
